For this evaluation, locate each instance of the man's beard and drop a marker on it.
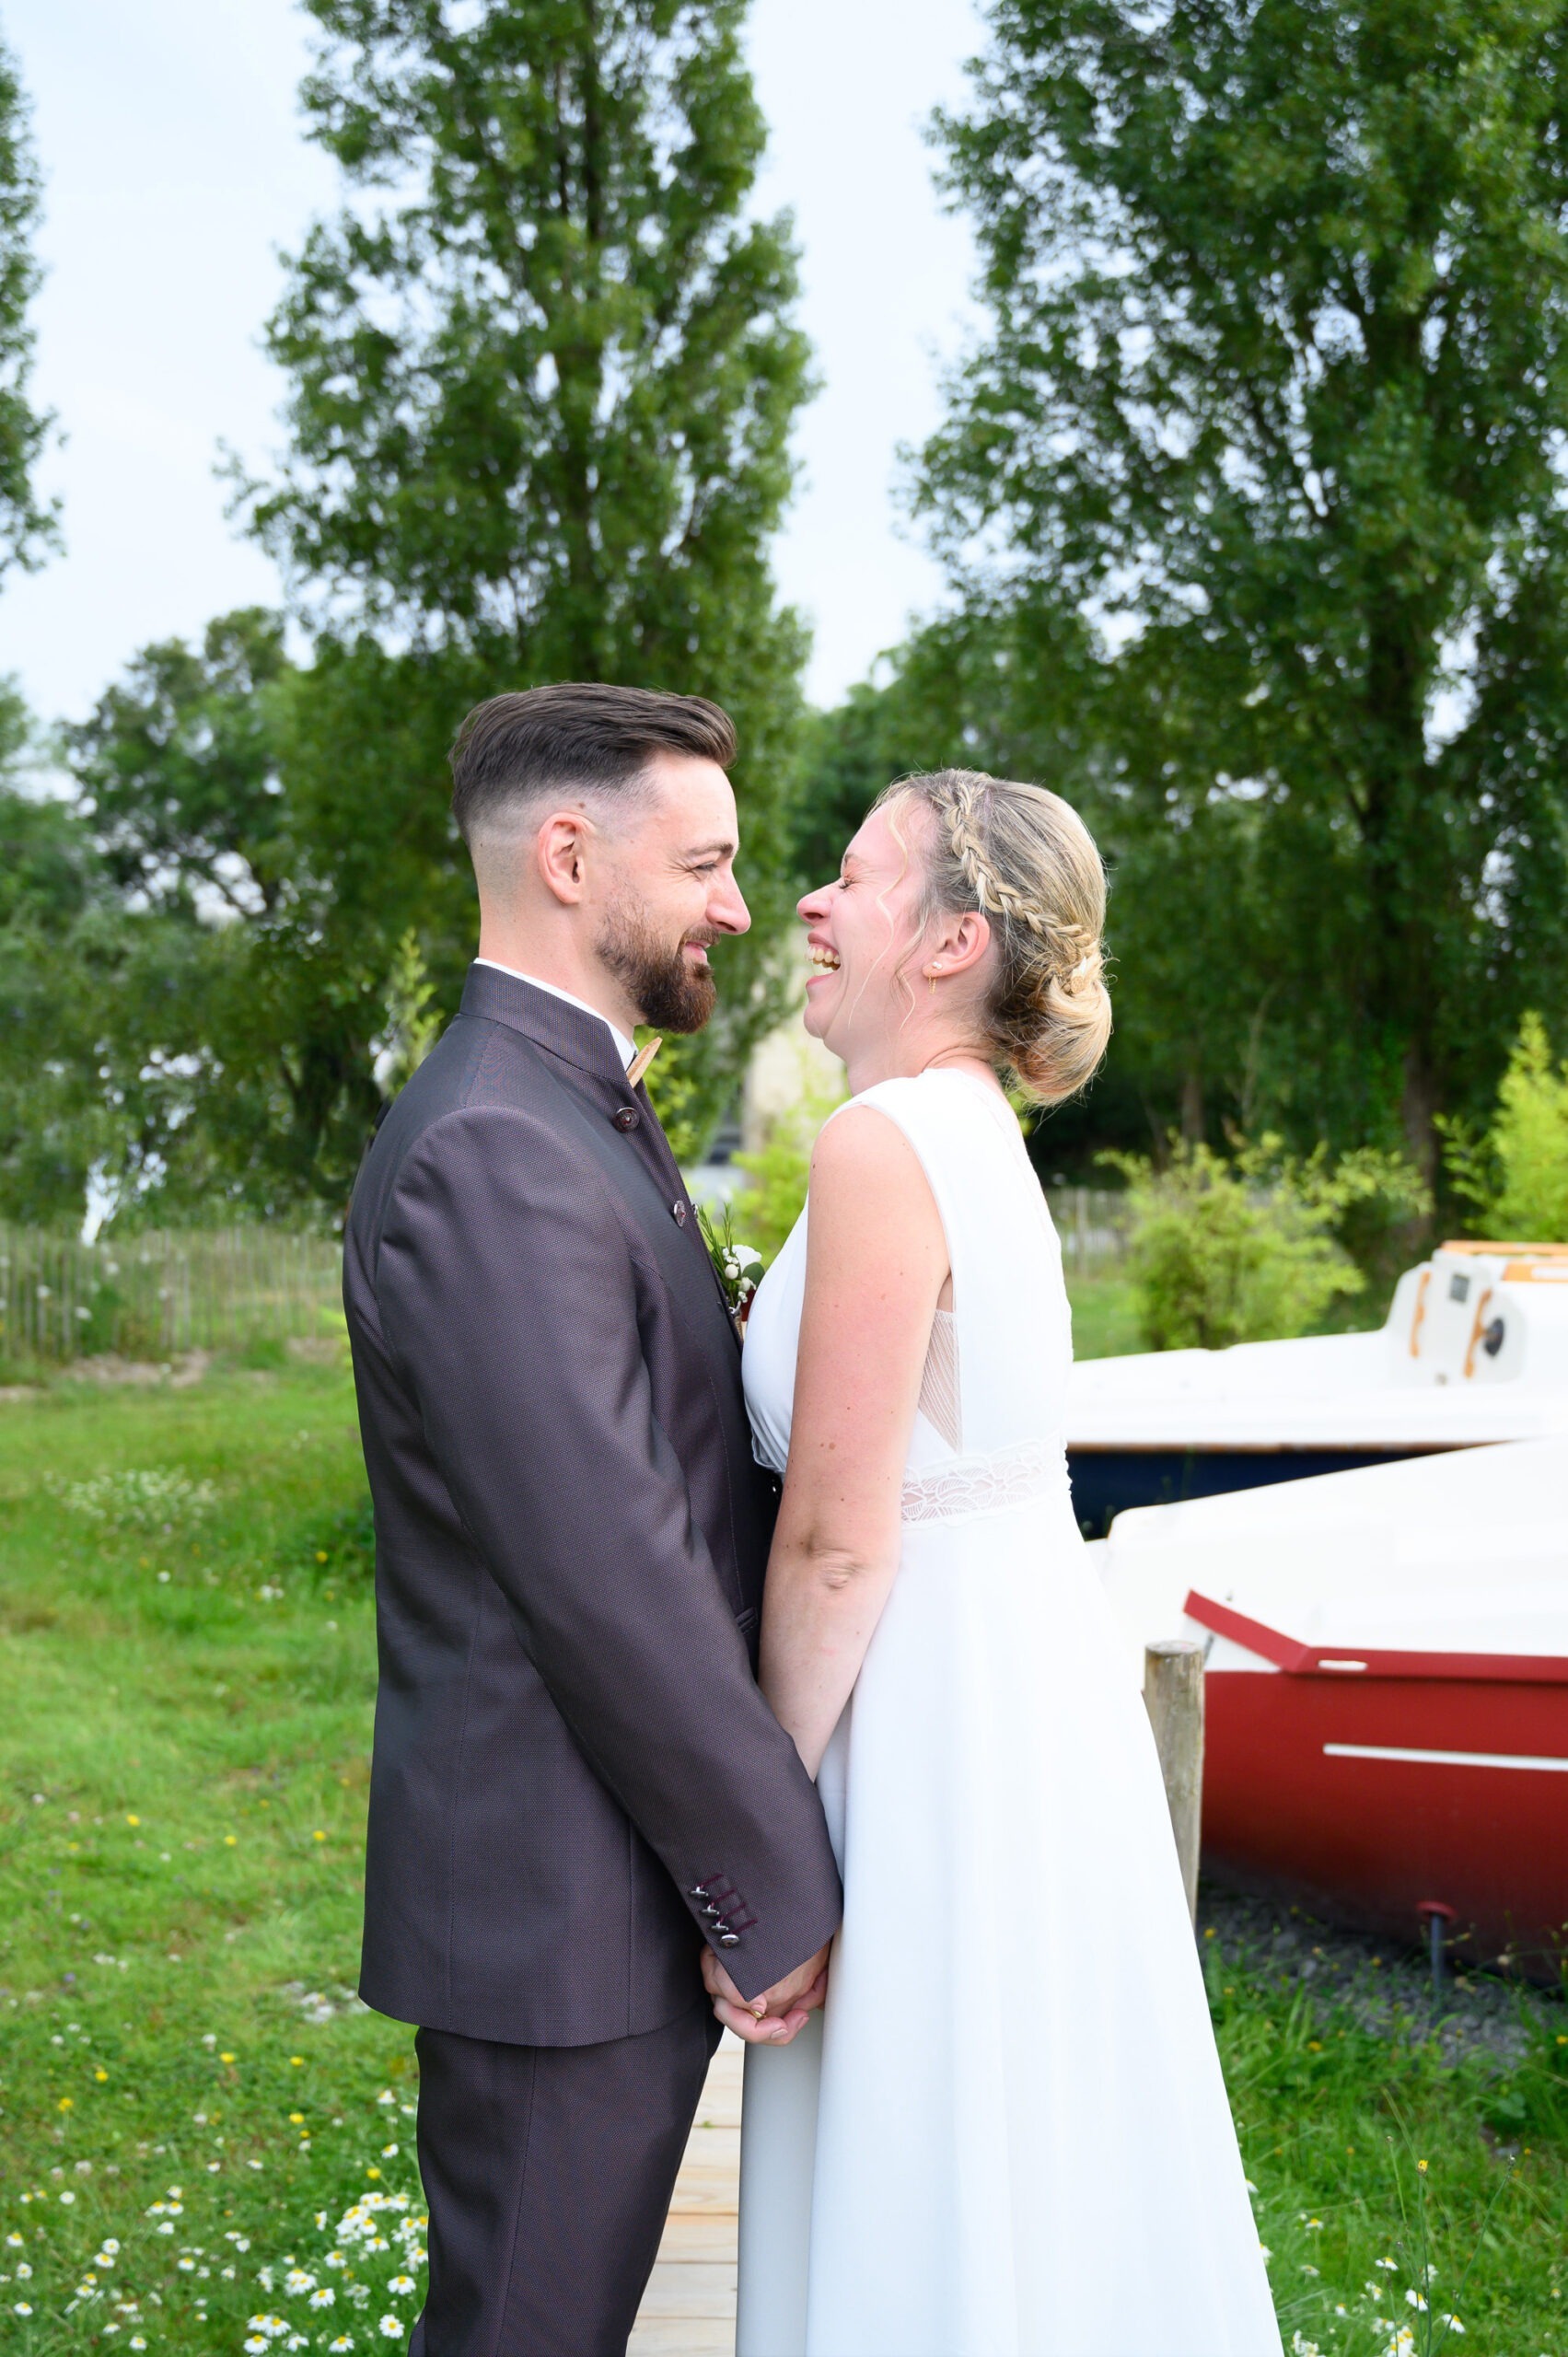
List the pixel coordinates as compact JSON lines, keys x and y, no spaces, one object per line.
{"x":671,"y":994}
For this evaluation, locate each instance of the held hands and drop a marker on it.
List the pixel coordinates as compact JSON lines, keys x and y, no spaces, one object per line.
{"x":780,"y":2012}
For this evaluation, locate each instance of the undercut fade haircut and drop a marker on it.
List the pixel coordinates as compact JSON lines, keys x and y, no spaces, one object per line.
{"x":514,"y":752}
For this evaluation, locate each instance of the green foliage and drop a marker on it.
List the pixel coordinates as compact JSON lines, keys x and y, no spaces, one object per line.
{"x":88,"y":994}
{"x":1254,"y":492}
{"x":677,"y":1095}
{"x":28,"y":528}
{"x":1517,"y":1176}
{"x":415,"y":1025}
{"x":778,"y":1174}
{"x":543,"y":373}
{"x":1248,"y":1250}
{"x":244,"y":803}
{"x":178,"y":768}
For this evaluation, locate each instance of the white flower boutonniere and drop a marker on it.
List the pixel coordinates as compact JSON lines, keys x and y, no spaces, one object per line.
{"x":739,"y":1267}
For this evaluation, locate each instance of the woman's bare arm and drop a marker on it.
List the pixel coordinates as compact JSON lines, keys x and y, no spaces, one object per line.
{"x":877,"y":1263}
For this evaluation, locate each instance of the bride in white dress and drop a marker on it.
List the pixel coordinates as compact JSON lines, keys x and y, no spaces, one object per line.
{"x":1006,"y":2135}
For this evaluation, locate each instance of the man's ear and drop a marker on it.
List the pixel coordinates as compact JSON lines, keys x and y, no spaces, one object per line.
{"x":559,"y":853}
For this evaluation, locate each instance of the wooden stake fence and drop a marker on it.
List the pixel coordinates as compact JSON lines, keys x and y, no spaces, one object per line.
{"x":158,"y":1295}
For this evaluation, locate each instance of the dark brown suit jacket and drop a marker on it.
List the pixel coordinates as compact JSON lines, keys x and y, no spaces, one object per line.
{"x":576,"y":1778}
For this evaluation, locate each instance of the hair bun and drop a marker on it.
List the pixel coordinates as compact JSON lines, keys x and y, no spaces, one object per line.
{"x":1025,"y":858}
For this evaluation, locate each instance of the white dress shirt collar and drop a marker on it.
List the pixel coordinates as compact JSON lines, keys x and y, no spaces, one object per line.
{"x":625,"y":1048}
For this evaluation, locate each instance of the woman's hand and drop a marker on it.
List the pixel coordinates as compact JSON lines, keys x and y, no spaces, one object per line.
{"x":780,"y":2012}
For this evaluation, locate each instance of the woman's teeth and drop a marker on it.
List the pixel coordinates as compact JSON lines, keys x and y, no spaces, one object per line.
{"x":825,"y":958}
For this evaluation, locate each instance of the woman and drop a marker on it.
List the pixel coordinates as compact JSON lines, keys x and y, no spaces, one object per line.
{"x":1007,"y":2135}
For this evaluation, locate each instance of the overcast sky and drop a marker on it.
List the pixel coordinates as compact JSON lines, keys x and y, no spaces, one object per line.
{"x":175,"y":171}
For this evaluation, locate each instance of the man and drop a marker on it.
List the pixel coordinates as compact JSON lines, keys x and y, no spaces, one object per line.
{"x":576,"y":1786}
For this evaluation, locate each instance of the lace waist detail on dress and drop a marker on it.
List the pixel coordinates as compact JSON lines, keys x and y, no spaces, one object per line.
{"x":992,"y":1484}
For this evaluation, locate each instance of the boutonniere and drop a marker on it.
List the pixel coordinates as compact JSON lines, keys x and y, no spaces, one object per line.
{"x":739,"y":1267}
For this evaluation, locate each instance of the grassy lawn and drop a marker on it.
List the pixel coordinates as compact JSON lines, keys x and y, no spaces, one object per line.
{"x":194,"y":2113}
{"x":1105,"y":1317}
{"x":190,"y":2092}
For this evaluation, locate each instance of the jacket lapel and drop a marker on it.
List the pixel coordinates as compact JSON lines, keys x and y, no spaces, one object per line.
{"x":570,"y":1036}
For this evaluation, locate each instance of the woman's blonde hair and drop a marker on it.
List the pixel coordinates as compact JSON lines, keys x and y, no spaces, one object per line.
{"x":1023,"y":857}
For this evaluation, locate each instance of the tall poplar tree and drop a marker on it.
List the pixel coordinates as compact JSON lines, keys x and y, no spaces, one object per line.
{"x":543,"y":371}
{"x":27,"y":524}
{"x":1274,"y":397}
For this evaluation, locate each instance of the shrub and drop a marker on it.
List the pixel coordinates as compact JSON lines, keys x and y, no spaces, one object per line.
{"x":778,"y":1174}
{"x":1517,"y":1176}
{"x":1251,"y":1249}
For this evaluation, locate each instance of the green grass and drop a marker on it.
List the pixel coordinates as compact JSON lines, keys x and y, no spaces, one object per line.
{"x":1383,"y":2145}
{"x":190,"y":1705}
{"x":186,"y":1680}
{"x":1105,"y":1317}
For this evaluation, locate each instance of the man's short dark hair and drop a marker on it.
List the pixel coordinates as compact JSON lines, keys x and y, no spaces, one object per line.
{"x":576,"y":737}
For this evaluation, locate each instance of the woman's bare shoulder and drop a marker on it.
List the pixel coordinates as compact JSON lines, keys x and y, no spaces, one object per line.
{"x":868,"y":1182}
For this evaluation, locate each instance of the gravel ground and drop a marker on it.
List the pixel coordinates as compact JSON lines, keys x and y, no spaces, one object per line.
{"x":1388,"y":1989}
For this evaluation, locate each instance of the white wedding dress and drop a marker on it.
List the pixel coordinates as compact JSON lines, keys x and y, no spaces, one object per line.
{"x":1007,"y":2135}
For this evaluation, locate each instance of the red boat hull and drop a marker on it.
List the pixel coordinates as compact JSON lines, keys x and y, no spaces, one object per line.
{"x":1365,"y":1839}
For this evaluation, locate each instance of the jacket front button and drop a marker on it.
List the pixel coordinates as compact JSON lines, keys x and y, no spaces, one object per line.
{"x":678,"y":1208}
{"x":627,"y":1118}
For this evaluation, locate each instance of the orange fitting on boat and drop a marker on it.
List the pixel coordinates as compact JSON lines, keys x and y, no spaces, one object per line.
{"x":1480,"y":1244}
{"x":1420,"y":1313}
{"x":1476,"y":1332}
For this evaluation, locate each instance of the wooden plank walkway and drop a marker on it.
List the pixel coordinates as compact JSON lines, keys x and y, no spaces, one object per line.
{"x":688,"y":2309}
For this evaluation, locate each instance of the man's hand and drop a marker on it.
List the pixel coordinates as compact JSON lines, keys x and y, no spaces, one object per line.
{"x":780,"y":2012}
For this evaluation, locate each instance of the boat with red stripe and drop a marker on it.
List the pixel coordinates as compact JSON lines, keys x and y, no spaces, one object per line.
{"x":1387,"y":1689}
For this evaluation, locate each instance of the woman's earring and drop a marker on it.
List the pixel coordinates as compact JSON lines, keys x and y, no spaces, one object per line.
{"x":930,"y":979}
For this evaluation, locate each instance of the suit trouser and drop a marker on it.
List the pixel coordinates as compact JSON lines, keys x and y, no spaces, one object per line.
{"x":549,"y":2170}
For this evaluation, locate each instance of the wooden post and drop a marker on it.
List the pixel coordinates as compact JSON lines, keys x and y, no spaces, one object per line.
{"x":1173,"y":1694}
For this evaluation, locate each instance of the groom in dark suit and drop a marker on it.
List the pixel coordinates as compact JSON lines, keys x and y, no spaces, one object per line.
{"x":577,"y":1783}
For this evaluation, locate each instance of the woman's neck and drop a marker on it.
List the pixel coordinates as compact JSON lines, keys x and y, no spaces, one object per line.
{"x":908,"y":1055}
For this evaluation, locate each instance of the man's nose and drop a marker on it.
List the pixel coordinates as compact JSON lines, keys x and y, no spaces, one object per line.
{"x":728,"y":912}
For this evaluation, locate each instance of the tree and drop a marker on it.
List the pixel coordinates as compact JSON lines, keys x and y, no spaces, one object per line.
{"x":97,"y":1081}
{"x":26,"y":525}
{"x":178,"y":768}
{"x":1273,"y":399}
{"x":242,"y":800}
{"x":1515,"y":1178}
{"x":543,"y":374}
{"x":1011,"y":685}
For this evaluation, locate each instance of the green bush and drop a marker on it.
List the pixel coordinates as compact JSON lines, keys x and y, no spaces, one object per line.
{"x":777,"y":1176}
{"x":1251,"y":1249}
{"x":1517,"y":1176}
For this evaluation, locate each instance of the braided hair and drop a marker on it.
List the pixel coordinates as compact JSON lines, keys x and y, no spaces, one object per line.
{"x":1025,"y":857}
